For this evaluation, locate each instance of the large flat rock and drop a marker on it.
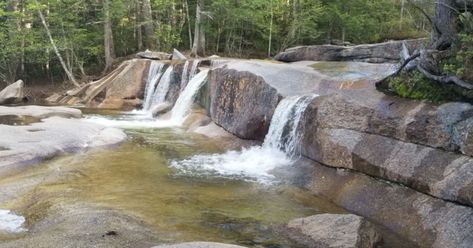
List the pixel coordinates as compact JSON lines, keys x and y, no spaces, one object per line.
{"x":425,"y":220}
{"x":335,"y":231}
{"x":373,"y":53}
{"x":409,"y":142}
{"x":40,"y":111}
{"x":49,"y":135}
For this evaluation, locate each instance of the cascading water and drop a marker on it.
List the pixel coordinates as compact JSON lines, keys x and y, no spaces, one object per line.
{"x":162,"y":89}
{"x":155,"y":71}
{"x":184,"y":103}
{"x":283,"y":132}
{"x":186,"y":75}
{"x":257,"y":162}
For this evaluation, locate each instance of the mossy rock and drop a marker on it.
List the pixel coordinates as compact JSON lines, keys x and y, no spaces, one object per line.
{"x":414,"y":85}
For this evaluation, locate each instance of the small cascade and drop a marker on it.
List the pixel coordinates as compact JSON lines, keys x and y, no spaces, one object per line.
{"x":184,"y":103}
{"x":193,"y":72}
{"x":162,"y":89}
{"x":283,"y":132}
{"x":155,"y":71}
{"x":185,"y":75}
{"x":256,"y":163}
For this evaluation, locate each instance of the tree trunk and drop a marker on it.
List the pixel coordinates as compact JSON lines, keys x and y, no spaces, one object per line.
{"x":53,"y":44}
{"x":270,"y":39}
{"x":198,"y":48}
{"x":189,"y":24}
{"x":148,"y":26}
{"x":108,"y":37}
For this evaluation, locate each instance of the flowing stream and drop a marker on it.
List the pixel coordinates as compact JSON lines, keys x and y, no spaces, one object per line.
{"x":136,"y":179}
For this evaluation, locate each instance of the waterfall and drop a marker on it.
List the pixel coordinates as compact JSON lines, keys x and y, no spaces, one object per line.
{"x":184,"y":76}
{"x":155,"y":71}
{"x":195,"y":65}
{"x":256,"y":163}
{"x":162,"y":89}
{"x":184,"y":103}
{"x":283,"y":132}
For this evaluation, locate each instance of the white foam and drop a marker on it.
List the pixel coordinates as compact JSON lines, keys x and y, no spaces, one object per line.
{"x":11,"y":223}
{"x":256,"y":163}
{"x":137,"y":123}
{"x":252,"y":164}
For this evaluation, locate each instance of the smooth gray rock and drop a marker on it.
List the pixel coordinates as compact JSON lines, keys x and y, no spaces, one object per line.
{"x":435,"y":172}
{"x":335,"y":231}
{"x":13,"y":93}
{"x":372,"y":53}
{"x":40,"y":111}
{"x":372,"y":112}
{"x":427,"y":221}
{"x":199,"y":245}
{"x":27,"y":144}
{"x":176,"y":55}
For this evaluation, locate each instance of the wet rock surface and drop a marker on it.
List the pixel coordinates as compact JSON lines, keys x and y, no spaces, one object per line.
{"x":86,"y":226}
{"x":199,"y":245}
{"x":334,"y":230}
{"x":373,"y":53}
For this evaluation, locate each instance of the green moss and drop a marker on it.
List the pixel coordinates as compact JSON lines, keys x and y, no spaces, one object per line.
{"x":416,"y":86}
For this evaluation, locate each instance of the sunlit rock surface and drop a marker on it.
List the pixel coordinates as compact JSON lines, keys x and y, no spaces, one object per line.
{"x":393,"y":139}
{"x":425,"y":220}
{"x":47,"y":133}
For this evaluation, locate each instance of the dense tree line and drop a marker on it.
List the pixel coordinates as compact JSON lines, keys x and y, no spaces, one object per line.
{"x":73,"y":38}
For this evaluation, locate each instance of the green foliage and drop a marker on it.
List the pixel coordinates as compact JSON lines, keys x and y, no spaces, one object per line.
{"x":232,"y":28}
{"x":416,"y":86}
{"x":462,"y":63}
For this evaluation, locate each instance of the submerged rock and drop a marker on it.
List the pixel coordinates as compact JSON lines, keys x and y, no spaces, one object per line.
{"x":373,"y":53}
{"x":199,"y":245}
{"x":13,"y":93}
{"x":161,"y":108}
{"x":334,"y":230}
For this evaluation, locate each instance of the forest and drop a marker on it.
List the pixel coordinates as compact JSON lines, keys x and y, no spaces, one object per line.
{"x":59,"y":40}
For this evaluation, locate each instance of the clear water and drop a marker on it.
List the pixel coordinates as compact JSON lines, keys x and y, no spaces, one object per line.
{"x":137,"y":178}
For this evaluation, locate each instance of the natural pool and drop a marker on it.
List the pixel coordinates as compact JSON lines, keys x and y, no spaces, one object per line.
{"x":136,"y":179}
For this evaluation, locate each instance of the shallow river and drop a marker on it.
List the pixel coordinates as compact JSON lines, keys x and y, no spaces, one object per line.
{"x":180,"y":204}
